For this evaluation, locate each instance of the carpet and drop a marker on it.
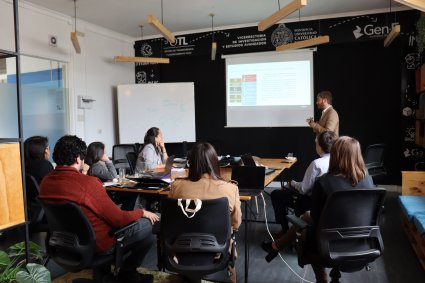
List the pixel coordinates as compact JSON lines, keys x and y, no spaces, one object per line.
{"x":159,"y":277}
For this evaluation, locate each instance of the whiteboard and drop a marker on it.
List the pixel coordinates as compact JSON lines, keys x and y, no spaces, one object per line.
{"x":168,"y":106}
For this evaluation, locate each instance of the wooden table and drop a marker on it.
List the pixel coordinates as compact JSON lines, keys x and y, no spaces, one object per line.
{"x":279,"y":164}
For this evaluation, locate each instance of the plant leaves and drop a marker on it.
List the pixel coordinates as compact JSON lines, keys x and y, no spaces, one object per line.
{"x":36,"y":274}
{"x":4,"y":260}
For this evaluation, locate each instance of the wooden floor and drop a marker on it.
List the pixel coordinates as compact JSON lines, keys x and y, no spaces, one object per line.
{"x":398,"y":264}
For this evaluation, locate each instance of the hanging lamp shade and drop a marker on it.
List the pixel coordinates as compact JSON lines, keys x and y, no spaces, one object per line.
{"x":304,"y":43}
{"x":282,"y":13}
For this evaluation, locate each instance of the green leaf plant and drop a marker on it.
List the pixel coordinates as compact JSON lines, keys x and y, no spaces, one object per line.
{"x":13,"y":267}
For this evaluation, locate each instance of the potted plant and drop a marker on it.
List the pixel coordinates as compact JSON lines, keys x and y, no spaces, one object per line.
{"x":14,"y":269}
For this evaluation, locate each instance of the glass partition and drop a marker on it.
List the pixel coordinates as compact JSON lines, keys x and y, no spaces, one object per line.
{"x":9,"y":127}
{"x":44,"y":87}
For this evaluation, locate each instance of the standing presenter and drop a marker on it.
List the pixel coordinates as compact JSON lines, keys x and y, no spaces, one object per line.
{"x":329,"y":121}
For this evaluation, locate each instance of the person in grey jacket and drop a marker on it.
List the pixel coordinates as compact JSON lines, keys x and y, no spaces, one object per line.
{"x":153,"y":154}
{"x":100,"y":164}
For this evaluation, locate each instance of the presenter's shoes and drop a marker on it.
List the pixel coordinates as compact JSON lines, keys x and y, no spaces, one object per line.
{"x":133,"y":276}
{"x":272,"y":253}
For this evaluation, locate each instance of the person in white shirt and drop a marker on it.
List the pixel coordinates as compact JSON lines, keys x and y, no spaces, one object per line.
{"x":284,"y":198}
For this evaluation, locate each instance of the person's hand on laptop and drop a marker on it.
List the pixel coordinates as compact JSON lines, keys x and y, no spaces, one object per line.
{"x":151,"y":216}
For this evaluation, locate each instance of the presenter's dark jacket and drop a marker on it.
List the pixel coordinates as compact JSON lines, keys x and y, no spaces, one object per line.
{"x":327,"y":184}
{"x":329,"y":121}
{"x":66,"y":184}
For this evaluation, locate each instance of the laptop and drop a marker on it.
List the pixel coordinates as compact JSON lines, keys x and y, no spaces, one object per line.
{"x":250,"y":179}
{"x":248,"y":160}
{"x":167,"y":171}
{"x":155,"y":180}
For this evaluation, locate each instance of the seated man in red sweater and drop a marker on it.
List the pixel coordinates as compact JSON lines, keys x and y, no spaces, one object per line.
{"x":66,"y":183}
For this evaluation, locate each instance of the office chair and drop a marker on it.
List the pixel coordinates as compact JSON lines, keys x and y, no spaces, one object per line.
{"x":36,"y":218}
{"x":71,"y":241}
{"x":132,"y":161}
{"x":197,"y":246}
{"x":420,"y":166}
{"x":374,"y":161}
{"x":119,"y":158}
{"x":347,"y":237}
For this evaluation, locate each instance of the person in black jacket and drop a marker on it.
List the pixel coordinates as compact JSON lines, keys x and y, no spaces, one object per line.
{"x":36,"y":156}
{"x":346,"y":171}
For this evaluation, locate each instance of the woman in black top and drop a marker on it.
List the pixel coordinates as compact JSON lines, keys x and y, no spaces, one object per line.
{"x":346,"y":171}
{"x":36,"y":156}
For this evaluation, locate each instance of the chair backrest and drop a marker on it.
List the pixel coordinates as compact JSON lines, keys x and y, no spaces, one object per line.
{"x":71,"y":240}
{"x":34,"y":209}
{"x":132,"y":160}
{"x":374,"y":155}
{"x":119,"y":152}
{"x":348,"y":233}
{"x":420,"y":166}
{"x":196,"y":241}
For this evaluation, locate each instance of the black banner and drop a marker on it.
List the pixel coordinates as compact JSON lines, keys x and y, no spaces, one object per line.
{"x":245,"y":40}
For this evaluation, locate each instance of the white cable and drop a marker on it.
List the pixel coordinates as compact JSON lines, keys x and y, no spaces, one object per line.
{"x":270,"y":234}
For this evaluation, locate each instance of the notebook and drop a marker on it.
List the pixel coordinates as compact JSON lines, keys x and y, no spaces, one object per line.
{"x":248,"y":160}
{"x":250,"y":179}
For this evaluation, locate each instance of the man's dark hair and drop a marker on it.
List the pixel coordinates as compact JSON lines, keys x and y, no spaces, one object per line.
{"x":326,"y":94}
{"x":326,"y":139}
{"x":67,"y":149}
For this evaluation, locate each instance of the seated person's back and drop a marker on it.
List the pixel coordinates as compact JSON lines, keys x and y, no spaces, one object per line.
{"x":66,"y":183}
{"x":36,"y":155}
{"x":204,"y":181}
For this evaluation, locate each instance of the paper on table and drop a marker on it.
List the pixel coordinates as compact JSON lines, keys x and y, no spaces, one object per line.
{"x":110,"y":184}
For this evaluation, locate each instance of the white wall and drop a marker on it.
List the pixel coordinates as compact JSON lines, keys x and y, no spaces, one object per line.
{"x":91,"y":73}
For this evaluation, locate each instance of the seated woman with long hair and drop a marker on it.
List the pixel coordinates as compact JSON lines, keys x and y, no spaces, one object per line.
{"x":204,"y":181}
{"x":346,"y":171}
{"x":36,"y":155}
{"x":153,"y":154}
{"x":100,"y":164}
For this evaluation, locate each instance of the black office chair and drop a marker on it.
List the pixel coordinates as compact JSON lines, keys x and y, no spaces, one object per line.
{"x":71,"y":241}
{"x":374,"y":161}
{"x":347,"y":237}
{"x":36,"y":217}
{"x":119,"y":158}
{"x":197,"y":246}
{"x":132,"y":161}
{"x":420,"y":166}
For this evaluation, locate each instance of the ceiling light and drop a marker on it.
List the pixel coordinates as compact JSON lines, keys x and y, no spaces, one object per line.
{"x":288,"y":9}
{"x":213,"y":43}
{"x":74,"y":37}
{"x":304,"y":43}
{"x":395,"y":31}
{"x":415,"y":4}
{"x":160,"y":26}
{"x":142,"y":59}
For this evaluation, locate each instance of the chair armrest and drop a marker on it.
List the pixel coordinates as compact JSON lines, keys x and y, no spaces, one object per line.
{"x":297,"y":221}
{"x":125,"y":231}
